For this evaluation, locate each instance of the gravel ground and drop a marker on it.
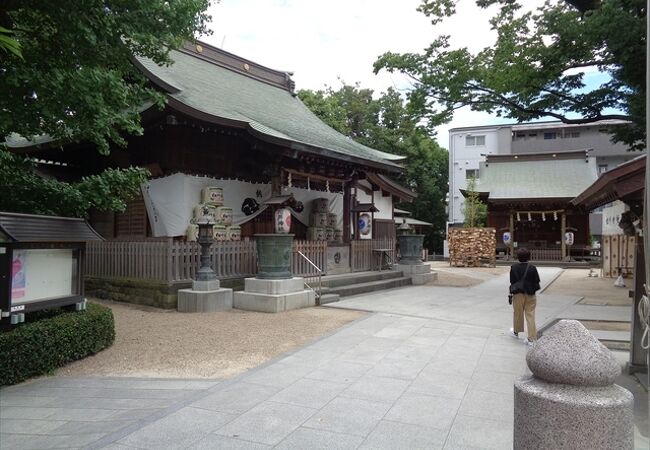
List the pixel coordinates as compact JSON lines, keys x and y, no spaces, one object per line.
{"x":463,"y":276}
{"x":165,"y":344}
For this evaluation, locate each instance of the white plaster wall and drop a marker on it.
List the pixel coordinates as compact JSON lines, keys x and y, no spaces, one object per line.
{"x":611,"y":217}
{"x":384,"y":205}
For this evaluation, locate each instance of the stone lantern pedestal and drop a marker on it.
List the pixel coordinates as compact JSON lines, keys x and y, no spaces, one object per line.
{"x":274,"y":289}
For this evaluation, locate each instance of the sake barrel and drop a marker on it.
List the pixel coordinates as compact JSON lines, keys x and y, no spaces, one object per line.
{"x":321,"y":205}
{"x":338,"y":235}
{"x":223,"y":216}
{"x":315,"y":233}
{"x":332,"y":220}
{"x":282,"y":221}
{"x":233,"y":233}
{"x":212,"y":195}
{"x":219,"y":233}
{"x":192,"y":233}
{"x":318,"y":219}
{"x":329,"y":234}
{"x":198,"y":210}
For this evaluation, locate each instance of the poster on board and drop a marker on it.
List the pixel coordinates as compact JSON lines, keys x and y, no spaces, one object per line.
{"x":18,"y":275}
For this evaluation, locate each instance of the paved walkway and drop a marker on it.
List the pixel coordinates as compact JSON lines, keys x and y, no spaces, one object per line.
{"x":407,"y":380}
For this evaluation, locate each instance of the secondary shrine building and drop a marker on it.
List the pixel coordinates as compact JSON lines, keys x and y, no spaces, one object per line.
{"x":528,"y":197}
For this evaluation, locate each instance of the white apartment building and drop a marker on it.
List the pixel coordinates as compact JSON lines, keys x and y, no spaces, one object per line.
{"x":469,"y":145}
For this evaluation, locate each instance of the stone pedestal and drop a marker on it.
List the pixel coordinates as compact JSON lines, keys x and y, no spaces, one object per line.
{"x":205,"y":296}
{"x":560,"y":416}
{"x":419,"y":273}
{"x":268,"y":295}
{"x":571,"y":401}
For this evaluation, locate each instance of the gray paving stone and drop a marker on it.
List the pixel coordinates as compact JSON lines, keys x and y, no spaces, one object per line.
{"x":113,"y":403}
{"x":515,"y":365}
{"x":440,"y":324}
{"x":340,"y":372}
{"x":310,"y":393}
{"x":307,"y":438}
{"x":25,"y":400}
{"x":278,"y":375}
{"x":363,"y":355}
{"x":404,"y":369}
{"x":479,"y":433}
{"x":413,"y":352}
{"x":26,"y":412}
{"x":394,"y":333}
{"x":118,"y":447}
{"x":268,"y":423}
{"x":472,"y":331}
{"x":34,"y":442}
{"x":439,"y":384}
{"x":427,"y":341}
{"x":309,"y":357}
{"x":488,"y":405}
{"x":177,"y":430}
{"x":237,"y":398}
{"x":133,"y":414}
{"x":499,"y":382}
{"x":82,"y":414}
{"x":77,"y":427}
{"x":350,"y":416}
{"x":376,"y":389}
{"x":424,"y":410}
{"x":27,"y":426}
{"x":397,"y":436}
{"x":215,"y":441}
{"x":461,"y":366}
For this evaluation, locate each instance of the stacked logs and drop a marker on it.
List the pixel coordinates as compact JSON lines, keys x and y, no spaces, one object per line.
{"x":472,"y":247}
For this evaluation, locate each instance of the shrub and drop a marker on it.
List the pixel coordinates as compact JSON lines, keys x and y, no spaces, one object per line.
{"x":39,"y":347}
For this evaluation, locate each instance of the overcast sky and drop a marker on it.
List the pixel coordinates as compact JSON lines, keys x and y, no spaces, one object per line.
{"x":322,"y":41}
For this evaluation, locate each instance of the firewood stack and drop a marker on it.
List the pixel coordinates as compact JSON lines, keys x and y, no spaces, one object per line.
{"x":472,"y":247}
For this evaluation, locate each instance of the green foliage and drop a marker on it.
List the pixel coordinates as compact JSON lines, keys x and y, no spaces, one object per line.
{"x":39,"y":347}
{"x":386,"y":123}
{"x":537,"y":66}
{"x":9,"y":44}
{"x":474,"y":210}
{"x":23,"y":190}
{"x":76,"y":80}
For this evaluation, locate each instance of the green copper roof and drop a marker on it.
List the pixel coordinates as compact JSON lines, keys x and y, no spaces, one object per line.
{"x":266,"y":110}
{"x":565,"y":178}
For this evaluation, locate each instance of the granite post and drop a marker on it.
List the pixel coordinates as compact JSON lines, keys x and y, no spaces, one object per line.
{"x":571,"y":401}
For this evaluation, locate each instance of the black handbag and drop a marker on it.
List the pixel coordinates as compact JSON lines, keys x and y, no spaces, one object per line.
{"x":518,"y":286}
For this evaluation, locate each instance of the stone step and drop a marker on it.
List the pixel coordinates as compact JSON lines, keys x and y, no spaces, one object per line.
{"x":329,"y":298}
{"x":357,"y":278}
{"x":371,"y":286}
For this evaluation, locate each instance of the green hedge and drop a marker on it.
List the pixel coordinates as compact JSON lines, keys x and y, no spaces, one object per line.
{"x":39,"y":347}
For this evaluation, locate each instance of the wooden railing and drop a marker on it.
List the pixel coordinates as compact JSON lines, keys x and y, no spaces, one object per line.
{"x":364,"y":254}
{"x":545,"y":254}
{"x":171,"y":261}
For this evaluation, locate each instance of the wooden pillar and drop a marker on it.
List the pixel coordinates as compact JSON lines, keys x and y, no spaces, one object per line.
{"x":512,"y":235}
{"x":638,"y":355}
{"x":562,"y":231}
{"x":276,"y":180}
{"x":346,"y":211}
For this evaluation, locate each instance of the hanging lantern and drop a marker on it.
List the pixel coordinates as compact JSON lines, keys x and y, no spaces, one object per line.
{"x":543,"y":217}
{"x":529,"y":217}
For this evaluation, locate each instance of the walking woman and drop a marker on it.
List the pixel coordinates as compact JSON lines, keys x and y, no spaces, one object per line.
{"x":524,"y":282}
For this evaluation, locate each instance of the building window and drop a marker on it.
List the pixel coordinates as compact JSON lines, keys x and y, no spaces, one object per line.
{"x":471,"y":173}
{"x":550,"y":135}
{"x":471,"y":141}
{"x":602,"y":168}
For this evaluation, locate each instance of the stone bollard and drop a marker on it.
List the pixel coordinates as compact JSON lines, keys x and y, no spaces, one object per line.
{"x":571,"y":401}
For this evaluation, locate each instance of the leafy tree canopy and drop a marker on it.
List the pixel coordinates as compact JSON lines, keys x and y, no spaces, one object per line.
{"x":474,"y":210}
{"x":386,"y":123}
{"x":536,"y":68}
{"x":24,"y":190}
{"x":75,"y":79}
